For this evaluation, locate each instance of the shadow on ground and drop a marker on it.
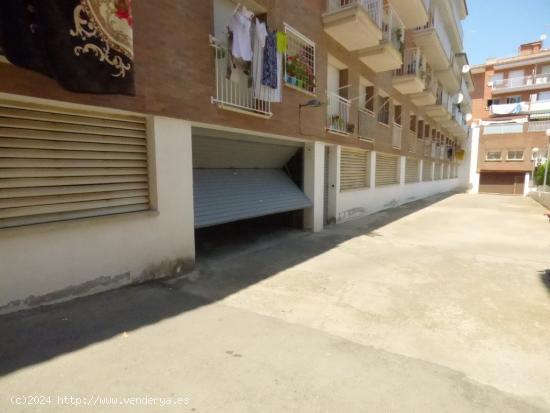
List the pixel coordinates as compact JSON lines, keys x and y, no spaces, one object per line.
{"x":34,"y":336}
{"x":545,"y":279}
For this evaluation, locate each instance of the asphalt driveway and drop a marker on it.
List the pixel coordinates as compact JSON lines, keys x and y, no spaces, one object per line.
{"x":440,"y":305}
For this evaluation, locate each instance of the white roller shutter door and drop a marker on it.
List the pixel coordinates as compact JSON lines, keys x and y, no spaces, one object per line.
{"x":354,"y":169}
{"x":411,"y":170}
{"x":387,"y":169}
{"x":58,"y":163}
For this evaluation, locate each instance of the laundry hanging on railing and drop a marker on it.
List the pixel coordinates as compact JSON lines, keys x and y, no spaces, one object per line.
{"x":86,"y":45}
{"x":510,"y":108}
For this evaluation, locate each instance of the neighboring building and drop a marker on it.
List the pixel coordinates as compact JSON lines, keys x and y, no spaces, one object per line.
{"x":98,"y":191}
{"x":511,"y":114}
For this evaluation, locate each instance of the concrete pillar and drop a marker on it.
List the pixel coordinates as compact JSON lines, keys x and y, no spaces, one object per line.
{"x":470,"y":168}
{"x":372,"y":170}
{"x":402,"y":166}
{"x":433,"y":170}
{"x":526,"y":184}
{"x":334,"y":180}
{"x":314,"y":182}
{"x":420,"y":169}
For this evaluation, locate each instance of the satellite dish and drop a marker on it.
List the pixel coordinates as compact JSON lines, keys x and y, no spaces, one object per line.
{"x":466,"y":69}
{"x":460,"y":98}
{"x":469,"y":117}
{"x":543,"y":37}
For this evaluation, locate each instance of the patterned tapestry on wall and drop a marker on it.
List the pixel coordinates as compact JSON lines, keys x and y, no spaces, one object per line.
{"x":86,"y":45}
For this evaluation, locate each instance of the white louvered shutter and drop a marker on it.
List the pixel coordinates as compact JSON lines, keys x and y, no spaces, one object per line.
{"x":387,"y":169}
{"x":354,"y":169}
{"x":411,"y":170}
{"x":427,"y":171}
{"x":58,"y":164}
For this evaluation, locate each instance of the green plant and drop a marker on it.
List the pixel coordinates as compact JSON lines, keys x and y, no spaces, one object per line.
{"x":539,"y":174}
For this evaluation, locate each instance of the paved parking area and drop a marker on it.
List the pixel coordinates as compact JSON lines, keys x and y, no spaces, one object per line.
{"x":440,"y":305}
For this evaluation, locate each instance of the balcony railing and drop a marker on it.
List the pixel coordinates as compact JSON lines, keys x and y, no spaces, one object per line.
{"x":436,"y":22}
{"x":412,"y":142}
{"x":393,"y":29}
{"x":427,"y":147}
{"x":366,"y":122}
{"x":396,"y":135}
{"x":519,"y":82}
{"x":338,"y":110}
{"x":539,"y":126}
{"x":412,"y":63}
{"x":236,"y":94}
{"x":372,"y":7}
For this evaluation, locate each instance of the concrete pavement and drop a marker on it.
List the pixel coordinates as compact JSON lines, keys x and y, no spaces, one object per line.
{"x":440,"y":305}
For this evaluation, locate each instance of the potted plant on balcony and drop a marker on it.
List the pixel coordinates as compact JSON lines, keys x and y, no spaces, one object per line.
{"x":291,"y":69}
{"x":350,"y":127}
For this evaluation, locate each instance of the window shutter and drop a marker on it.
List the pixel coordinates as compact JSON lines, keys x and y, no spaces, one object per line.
{"x":354,"y":169}
{"x":387,"y":169}
{"x":411,"y":170}
{"x":58,"y":164}
{"x":427,"y":171}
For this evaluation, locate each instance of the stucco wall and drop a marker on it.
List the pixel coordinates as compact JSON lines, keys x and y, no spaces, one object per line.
{"x":56,"y":261}
{"x":357,"y":203}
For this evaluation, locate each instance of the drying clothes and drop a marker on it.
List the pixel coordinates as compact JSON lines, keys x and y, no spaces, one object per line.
{"x":89,"y":53}
{"x":237,"y":69}
{"x":282,"y":42}
{"x":263,"y":92}
{"x":240,"y":26}
{"x":269,"y":73}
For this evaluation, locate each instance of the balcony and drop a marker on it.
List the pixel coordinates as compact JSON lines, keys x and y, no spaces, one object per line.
{"x":451,"y":77}
{"x":540,"y":106}
{"x":388,"y":54}
{"x":410,"y":78}
{"x":366,"y":124}
{"x":464,"y":96}
{"x":355,"y":24}
{"x":396,"y":135}
{"x":232,"y":95}
{"x":414,"y":12}
{"x":539,"y":126}
{"x":427,"y":96}
{"x":517,"y":84}
{"x":338,"y":115}
{"x":441,"y":110}
{"x":434,"y":42}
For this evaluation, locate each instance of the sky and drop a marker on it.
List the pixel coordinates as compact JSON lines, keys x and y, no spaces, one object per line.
{"x":495,"y":28}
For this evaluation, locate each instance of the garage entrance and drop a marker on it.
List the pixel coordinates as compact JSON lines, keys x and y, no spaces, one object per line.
{"x":507,"y":183}
{"x":245,"y":187}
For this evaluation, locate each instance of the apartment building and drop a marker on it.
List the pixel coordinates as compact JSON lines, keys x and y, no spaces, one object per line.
{"x":361,"y":107}
{"x":511,"y":113}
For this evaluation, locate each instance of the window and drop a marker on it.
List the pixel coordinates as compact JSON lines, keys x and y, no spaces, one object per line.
{"x":420,"y":129}
{"x":412,"y":123}
{"x":384,"y":110}
{"x":513,"y":99}
{"x":69,"y":163}
{"x":515,"y":156}
{"x":427,"y":130}
{"x":397,"y":115}
{"x":493,"y":156}
{"x":369,"y":98}
{"x":299,"y":61}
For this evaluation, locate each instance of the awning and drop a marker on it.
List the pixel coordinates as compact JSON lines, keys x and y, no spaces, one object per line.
{"x":227,"y":195}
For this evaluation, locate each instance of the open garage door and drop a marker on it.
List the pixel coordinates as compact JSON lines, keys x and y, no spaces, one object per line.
{"x":237,"y":179}
{"x":508,"y":183}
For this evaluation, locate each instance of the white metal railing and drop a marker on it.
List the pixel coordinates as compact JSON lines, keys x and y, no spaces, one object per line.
{"x":236,"y":94}
{"x":539,"y":126}
{"x":412,"y":63}
{"x":523,"y":81}
{"x":393,"y":29}
{"x":366,"y":121}
{"x":502,"y":129}
{"x":540,"y":106}
{"x":372,"y":7}
{"x":396,"y":135}
{"x":436,"y":22}
{"x":338,"y":110}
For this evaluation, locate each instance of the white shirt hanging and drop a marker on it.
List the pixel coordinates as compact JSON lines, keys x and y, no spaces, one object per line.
{"x":242,"y":42}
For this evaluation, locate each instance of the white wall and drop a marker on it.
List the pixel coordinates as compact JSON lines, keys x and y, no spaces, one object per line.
{"x":51,"y":262}
{"x":314,"y":181}
{"x":467,"y":173}
{"x":358,"y":203}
